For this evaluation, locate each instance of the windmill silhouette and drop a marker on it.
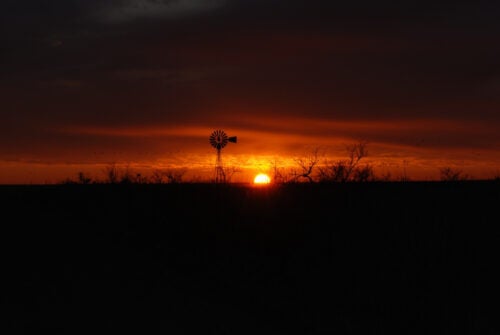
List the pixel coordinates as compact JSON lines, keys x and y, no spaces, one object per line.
{"x":219,"y":140}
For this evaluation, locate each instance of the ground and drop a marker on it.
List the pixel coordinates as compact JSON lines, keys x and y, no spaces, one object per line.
{"x":356,"y":258}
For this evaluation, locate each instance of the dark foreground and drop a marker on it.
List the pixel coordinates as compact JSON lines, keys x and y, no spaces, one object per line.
{"x":393,"y":258}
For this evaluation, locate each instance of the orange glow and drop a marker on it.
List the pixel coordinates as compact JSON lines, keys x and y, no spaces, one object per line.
{"x":262,"y":179}
{"x":417,"y":147}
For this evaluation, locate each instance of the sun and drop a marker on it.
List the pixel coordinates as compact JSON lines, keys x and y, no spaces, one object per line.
{"x":262,"y":179}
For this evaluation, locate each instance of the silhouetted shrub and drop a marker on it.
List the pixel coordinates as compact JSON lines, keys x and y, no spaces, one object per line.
{"x":347,"y":170}
{"x":363,"y":174}
{"x":82,"y":178}
{"x":450,"y":174}
{"x":168,"y":176}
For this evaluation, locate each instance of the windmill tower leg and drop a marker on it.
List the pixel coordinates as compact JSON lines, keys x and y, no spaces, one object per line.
{"x":220,"y":176}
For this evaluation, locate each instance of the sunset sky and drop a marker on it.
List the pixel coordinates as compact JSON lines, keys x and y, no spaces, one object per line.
{"x":143,"y":83}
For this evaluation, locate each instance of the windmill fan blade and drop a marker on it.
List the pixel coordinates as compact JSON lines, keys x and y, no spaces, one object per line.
{"x":232,"y":139}
{"x":218,"y":139}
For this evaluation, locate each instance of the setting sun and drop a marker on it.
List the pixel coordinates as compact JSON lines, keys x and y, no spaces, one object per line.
{"x":262,"y":178}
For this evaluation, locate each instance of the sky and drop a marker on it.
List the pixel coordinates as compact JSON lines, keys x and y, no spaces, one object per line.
{"x":142,"y":84}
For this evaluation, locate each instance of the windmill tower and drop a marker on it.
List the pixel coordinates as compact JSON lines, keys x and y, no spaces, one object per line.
{"x":219,"y":140}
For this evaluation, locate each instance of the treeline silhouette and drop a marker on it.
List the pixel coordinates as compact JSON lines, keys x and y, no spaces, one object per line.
{"x":309,"y":168}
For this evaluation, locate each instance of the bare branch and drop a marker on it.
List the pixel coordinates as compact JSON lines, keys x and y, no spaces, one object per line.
{"x":307,"y":165}
{"x":449,"y":174}
{"x":346,"y":170}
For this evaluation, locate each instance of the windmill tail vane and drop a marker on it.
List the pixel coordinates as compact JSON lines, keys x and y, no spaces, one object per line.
{"x":219,"y":139}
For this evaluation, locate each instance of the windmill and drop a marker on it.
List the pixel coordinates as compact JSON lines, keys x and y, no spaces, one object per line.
{"x":219,"y":140}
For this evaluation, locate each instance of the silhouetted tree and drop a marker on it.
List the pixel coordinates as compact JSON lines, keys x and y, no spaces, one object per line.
{"x":115,"y":175}
{"x":306,"y":165}
{"x":347,"y":170}
{"x":449,"y":174}
{"x":279,"y":174}
{"x":168,"y":176}
{"x":363,"y":173}
{"x":140,"y":179}
{"x":126,"y":176}
{"x":404,"y":177}
{"x":158,"y":177}
{"x":174,"y":176}
{"x":83,"y":178}
{"x":111,"y":174}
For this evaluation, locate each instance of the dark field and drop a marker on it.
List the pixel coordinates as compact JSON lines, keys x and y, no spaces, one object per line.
{"x":374,"y":258}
